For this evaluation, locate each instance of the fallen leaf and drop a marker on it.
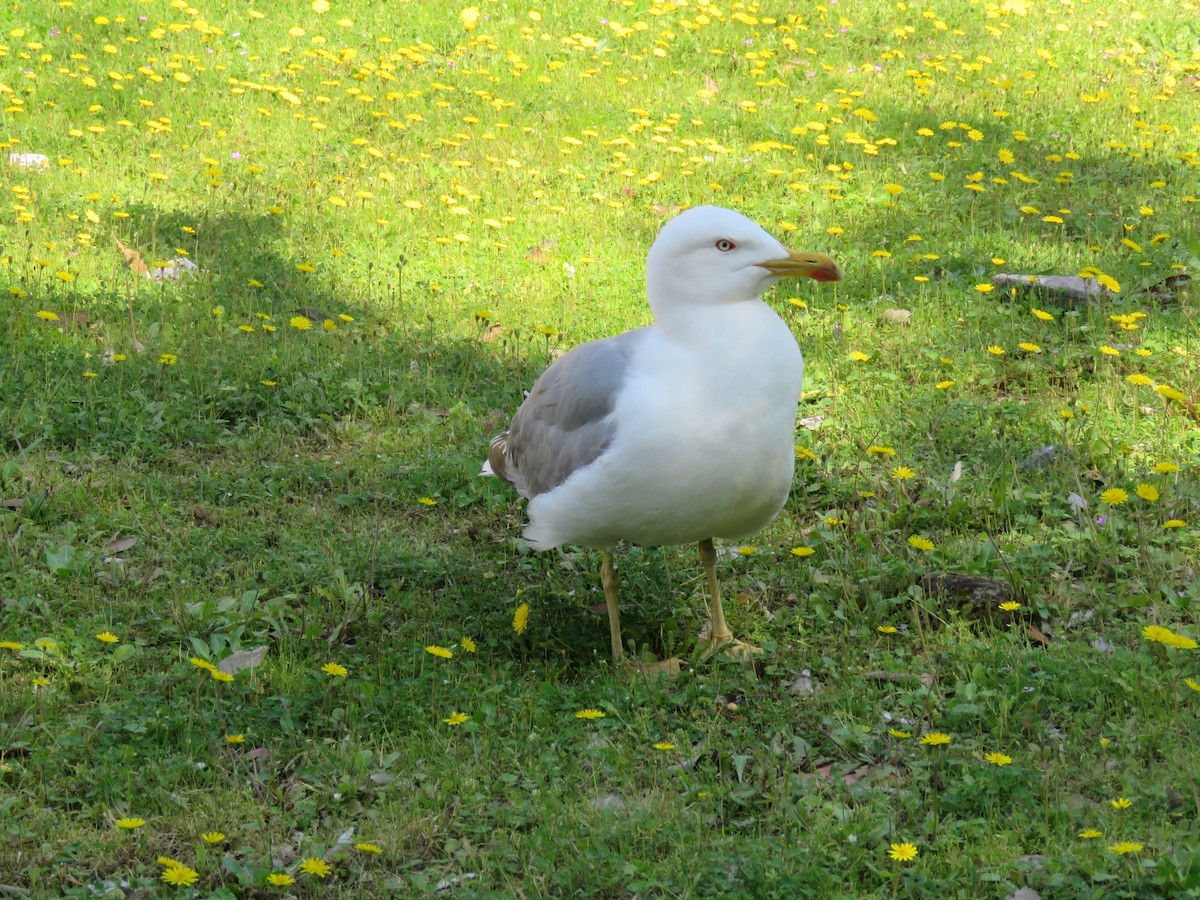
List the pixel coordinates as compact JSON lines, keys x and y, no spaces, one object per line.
{"x":242,"y":659}
{"x":663,"y":210}
{"x":540,"y":252}
{"x":120,"y":545}
{"x":895,"y":317}
{"x":203,"y":516}
{"x":1037,"y":637}
{"x":710,"y":85}
{"x":802,"y":684}
{"x":608,"y":801}
{"x":133,"y":259}
{"x":311,"y":313}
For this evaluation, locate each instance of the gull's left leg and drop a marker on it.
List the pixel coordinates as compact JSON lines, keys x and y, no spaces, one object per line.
{"x":720,"y":638}
{"x":611,"y":582}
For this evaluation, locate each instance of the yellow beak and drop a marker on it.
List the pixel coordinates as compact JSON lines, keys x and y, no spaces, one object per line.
{"x":804,"y":265}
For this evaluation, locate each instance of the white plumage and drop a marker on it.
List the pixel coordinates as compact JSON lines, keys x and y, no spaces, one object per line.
{"x":678,"y":432}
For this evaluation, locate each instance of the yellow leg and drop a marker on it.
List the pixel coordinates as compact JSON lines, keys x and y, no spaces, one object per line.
{"x":611,"y":582}
{"x":612,"y":593}
{"x":720,"y":638}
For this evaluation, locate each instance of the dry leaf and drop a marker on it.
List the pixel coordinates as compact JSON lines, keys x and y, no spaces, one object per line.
{"x":540,"y":252}
{"x":242,"y":659}
{"x":120,"y":545}
{"x":133,"y":259}
{"x":895,"y":317}
{"x":710,"y":85}
{"x":662,"y":210}
{"x":1037,"y":637}
{"x":18,"y":503}
{"x":204,"y":517}
{"x":491,"y":333}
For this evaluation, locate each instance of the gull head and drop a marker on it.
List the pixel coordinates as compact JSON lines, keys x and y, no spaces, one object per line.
{"x":707,"y":256}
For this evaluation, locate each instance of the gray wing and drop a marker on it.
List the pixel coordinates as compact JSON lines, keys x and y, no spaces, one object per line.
{"x":566,"y":421}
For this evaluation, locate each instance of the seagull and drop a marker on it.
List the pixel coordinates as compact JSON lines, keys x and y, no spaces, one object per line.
{"x":679,"y":432}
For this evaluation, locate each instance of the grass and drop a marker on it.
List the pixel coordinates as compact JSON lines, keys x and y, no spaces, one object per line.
{"x":398,"y":213}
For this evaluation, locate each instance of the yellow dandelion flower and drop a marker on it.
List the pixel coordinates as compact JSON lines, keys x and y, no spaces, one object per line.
{"x":334,"y":670}
{"x":920,"y":543}
{"x":589,"y":714}
{"x":998,"y":759}
{"x":314,"y":865}
{"x":129,"y":823}
{"x":301,"y":323}
{"x":456,"y":718}
{"x":1147,"y":492}
{"x":180,"y":875}
{"x":802,"y":551}
{"x":1114,"y":496}
{"x":107,"y":637}
{"x":903,"y":852}
{"x":936,"y":739}
{"x":439,"y":652}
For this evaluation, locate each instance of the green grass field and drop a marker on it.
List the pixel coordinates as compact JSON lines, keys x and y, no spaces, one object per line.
{"x":398,"y":212}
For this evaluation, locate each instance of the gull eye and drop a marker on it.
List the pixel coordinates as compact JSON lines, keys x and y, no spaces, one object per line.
{"x":725,"y":245}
